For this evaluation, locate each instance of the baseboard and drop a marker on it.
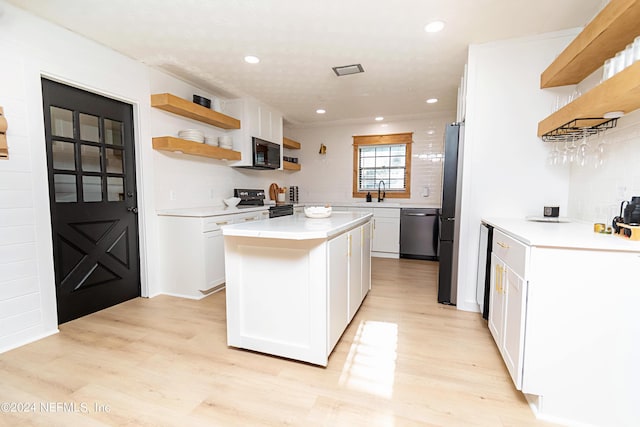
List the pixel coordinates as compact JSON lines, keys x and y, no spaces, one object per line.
{"x":385,"y":255}
{"x":173,"y":294}
{"x":29,"y":340}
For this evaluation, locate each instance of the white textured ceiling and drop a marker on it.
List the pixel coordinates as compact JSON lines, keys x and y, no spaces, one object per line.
{"x":298,"y":41}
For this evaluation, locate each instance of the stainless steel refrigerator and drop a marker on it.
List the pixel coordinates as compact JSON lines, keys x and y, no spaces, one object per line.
{"x":449,"y":227}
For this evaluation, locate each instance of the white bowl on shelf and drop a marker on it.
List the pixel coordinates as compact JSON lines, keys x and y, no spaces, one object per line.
{"x":317,"y":211}
{"x":232,"y":202}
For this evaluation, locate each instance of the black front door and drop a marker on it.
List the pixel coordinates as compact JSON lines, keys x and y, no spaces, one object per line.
{"x":91,"y":166}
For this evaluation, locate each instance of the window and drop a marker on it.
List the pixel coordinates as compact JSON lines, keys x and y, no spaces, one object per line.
{"x":385,"y":158}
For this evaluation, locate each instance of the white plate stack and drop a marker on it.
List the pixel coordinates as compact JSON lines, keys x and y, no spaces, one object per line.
{"x":211,"y":140}
{"x":194,"y":135}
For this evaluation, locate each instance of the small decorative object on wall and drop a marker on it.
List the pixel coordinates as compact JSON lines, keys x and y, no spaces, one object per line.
{"x":323,"y":149}
{"x":4,"y":148}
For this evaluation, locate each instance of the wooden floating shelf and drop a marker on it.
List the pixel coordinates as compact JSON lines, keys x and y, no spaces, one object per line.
{"x":608,"y":33}
{"x":170,"y":143}
{"x":290,"y":143}
{"x":619,"y":93}
{"x":289,"y":166}
{"x":184,"y":108}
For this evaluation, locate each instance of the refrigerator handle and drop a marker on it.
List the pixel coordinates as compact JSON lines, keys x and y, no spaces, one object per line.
{"x":436,"y":235}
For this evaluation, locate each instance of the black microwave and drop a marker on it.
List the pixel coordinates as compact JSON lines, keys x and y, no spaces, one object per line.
{"x":266,"y":155}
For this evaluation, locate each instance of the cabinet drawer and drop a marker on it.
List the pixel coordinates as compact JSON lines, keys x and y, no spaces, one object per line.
{"x":511,"y":251}
{"x":215,"y":222}
{"x":386,"y":212}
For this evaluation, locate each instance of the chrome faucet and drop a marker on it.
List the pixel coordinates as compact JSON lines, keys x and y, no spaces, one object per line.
{"x":384,"y":193}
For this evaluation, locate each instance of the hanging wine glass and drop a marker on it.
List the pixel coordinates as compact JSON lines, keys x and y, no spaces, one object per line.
{"x":583,"y":148}
{"x":601,"y":151}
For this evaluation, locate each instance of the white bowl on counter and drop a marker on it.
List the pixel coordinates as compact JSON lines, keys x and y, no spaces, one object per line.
{"x":232,"y":202}
{"x":317,"y":211}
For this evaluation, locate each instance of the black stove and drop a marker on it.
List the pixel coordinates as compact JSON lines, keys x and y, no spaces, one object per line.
{"x":249,"y":198}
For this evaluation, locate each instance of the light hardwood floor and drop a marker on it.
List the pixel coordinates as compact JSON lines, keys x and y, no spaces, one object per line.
{"x":404,"y":361}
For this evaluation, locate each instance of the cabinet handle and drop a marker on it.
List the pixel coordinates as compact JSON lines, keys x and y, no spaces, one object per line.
{"x":222,"y":223}
{"x":503,"y":245}
{"x":349,"y":251}
{"x":249,"y":219}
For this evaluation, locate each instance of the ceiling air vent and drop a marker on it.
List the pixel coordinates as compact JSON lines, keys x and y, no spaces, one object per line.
{"x":345,"y":70}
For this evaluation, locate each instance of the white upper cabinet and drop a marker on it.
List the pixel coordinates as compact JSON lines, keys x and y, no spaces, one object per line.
{"x":258,"y":120}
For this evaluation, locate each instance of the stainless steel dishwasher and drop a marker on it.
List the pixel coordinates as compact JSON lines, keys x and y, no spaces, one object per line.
{"x":419,"y":233}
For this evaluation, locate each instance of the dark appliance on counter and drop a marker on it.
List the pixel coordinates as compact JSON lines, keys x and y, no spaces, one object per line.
{"x":249,"y":198}
{"x":419,"y":233}
{"x":449,"y":229}
{"x":484,"y":269}
{"x":266,"y":155}
{"x":280,"y":210}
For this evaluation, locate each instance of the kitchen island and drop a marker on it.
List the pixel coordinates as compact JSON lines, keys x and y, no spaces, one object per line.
{"x":294,"y":283}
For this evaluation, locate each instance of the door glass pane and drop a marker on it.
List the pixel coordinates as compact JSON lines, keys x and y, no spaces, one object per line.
{"x":112,"y":132}
{"x":61,"y":122}
{"x":114,"y":161}
{"x":90,"y":158}
{"x":63,"y":156}
{"x":89,"y":130}
{"x":65,"y":188}
{"x":92,"y":188}
{"x":115,"y":189}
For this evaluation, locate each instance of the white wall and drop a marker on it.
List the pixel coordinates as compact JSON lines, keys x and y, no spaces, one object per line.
{"x":32,"y":48}
{"x":328,"y":178}
{"x":505,"y":172}
{"x":596,"y":192}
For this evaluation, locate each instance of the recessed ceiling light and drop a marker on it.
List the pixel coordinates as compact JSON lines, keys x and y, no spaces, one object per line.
{"x":321,"y":111}
{"x":432,"y":100}
{"x":251,"y":59}
{"x":379,"y":119}
{"x":434,"y":27}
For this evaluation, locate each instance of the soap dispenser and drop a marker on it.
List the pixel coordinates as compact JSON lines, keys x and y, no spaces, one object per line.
{"x":368,"y":196}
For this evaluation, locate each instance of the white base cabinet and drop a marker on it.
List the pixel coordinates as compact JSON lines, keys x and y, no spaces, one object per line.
{"x":565,"y":322}
{"x":192,"y":253}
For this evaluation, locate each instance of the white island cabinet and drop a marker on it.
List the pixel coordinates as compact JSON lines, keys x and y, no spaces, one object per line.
{"x":563,"y":312}
{"x":294,"y":283}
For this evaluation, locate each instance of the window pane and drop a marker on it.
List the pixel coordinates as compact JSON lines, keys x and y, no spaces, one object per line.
{"x":382,"y":162}
{"x":368,"y":185}
{"x":112,"y":132}
{"x":397,"y":173}
{"x":61,"y":122}
{"x":90,"y":158}
{"x":396,"y":184}
{"x":65,"y":188}
{"x":397,"y":150}
{"x":114,"y":160}
{"x":89,"y":130}
{"x":367,"y":152}
{"x":92,"y":188}
{"x":382,"y":173}
{"x":368,"y":173}
{"x":115,"y":189}
{"x":382,"y":151}
{"x":397,"y":161}
{"x":63,"y":155}
{"x":368,"y":162}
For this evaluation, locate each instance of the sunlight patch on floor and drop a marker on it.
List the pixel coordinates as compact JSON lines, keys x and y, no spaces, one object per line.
{"x":371,"y":362}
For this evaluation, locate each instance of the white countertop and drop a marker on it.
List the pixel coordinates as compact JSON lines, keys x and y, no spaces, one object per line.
{"x":574,"y":235}
{"x":298,"y":226}
{"x":205,"y":211}
{"x":375,"y":204}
